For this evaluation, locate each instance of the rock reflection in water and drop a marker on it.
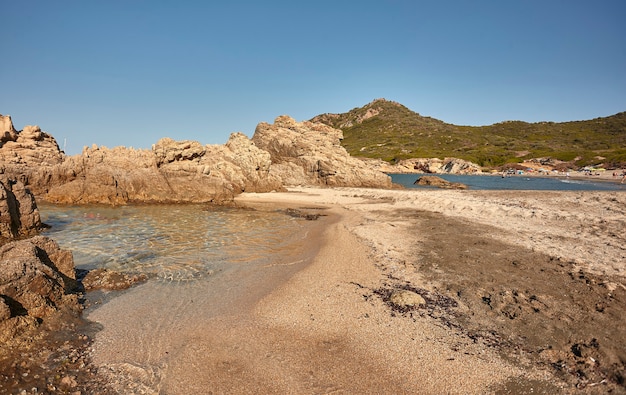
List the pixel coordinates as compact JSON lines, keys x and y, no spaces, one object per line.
{"x":171,"y":242}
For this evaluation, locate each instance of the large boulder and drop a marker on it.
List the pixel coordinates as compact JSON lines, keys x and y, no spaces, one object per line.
{"x":246,"y":165}
{"x":36,"y":280}
{"x":237,"y":166}
{"x":19,"y":216}
{"x":307,"y":153}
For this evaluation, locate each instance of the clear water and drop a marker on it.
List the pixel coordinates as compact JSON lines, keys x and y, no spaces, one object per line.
{"x":175,"y":242}
{"x":516,"y":182}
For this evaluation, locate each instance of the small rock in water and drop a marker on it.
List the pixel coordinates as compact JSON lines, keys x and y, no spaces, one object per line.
{"x":439,"y":182}
{"x":110,"y":280}
{"x":301,"y":214}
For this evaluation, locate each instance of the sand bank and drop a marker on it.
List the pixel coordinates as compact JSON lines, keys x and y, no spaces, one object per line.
{"x":538,"y":276}
{"x":319,"y":320}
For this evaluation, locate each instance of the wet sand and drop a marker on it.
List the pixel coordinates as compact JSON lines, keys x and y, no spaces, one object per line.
{"x":524,"y":292}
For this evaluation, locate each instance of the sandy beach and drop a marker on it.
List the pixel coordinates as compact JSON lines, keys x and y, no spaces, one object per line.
{"x":522,"y":292}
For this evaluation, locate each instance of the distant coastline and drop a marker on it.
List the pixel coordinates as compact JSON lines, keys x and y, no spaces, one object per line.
{"x":491,"y":181}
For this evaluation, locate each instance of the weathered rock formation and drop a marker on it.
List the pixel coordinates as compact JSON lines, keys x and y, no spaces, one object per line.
{"x":173,"y":171}
{"x":286,"y":153}
{"x":36,"y":280}
{"x":306,"y":153}
{"x":438,"y":182}
{"x":19,"y":216}
{"x":30,"y":146}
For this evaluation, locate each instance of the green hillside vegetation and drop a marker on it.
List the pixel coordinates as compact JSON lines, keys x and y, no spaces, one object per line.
{"x":390,"y":131}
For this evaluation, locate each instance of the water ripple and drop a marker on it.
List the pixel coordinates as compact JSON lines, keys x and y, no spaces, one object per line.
{"x":172,"y":242}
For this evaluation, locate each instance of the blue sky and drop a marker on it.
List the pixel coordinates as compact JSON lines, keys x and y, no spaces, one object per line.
{"x":130,"y":72}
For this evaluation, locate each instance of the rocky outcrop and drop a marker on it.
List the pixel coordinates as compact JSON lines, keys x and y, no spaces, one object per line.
{"x":307,"y":153}
{"x":101,"y":175}
{"x":19,"y":216}
{"x":36,"y":280}
{"x":438,"y":182}
{"x":173,"y":171}
{"x":30,"y":146}
{"x":286,"y":153}
{"x":435,"y":166}
{"x":7,"y":131}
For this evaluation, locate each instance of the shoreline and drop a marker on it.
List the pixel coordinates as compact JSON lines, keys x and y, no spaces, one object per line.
{"x":524,"y":291}
{"x":317,"y":329}
{"x":490,"y":266}
{"x":387,"y":352}
{"x":552,"y":237}
{"x":594,"y":178}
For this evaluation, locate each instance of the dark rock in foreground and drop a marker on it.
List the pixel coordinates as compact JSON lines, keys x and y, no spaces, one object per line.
{"x":19,"y":216}
{"x":36,"y":280}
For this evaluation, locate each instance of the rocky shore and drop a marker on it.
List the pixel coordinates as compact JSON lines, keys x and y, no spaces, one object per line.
{"x":389,"y":291}
{"x":40,"y":289}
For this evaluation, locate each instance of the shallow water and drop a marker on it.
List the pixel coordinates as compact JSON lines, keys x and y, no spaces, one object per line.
{"x":172,"y":242}
{"x":206,"y":264}
{"x":516,"y":182}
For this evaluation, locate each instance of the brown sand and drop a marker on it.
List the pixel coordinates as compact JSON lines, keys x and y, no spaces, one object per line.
{"x":513,"y":284}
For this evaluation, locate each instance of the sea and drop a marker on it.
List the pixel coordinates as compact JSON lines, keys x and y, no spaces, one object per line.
{"x":517,"y":182}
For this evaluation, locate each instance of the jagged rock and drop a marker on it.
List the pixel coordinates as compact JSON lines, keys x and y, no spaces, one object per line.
{"x":439,"y":182}
{"x":36,"y":280}
{"x":307,"y":153}
{"x":59,"y":259}
{"x":173,"y":171}
{"x":246,"y":165}
{"x":168,"y":151}
{"x":30,"y":146}
{"x":286,"y":153}
{"x":110,"y":176}
{"x":19,"y":216}
{"x":7,"y":131}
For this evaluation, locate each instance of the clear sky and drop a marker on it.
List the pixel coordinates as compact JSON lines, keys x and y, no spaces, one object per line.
{"x":130,"y":72}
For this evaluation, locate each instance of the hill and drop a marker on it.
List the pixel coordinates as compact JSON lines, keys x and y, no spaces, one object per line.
{"x":390,"y":131}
